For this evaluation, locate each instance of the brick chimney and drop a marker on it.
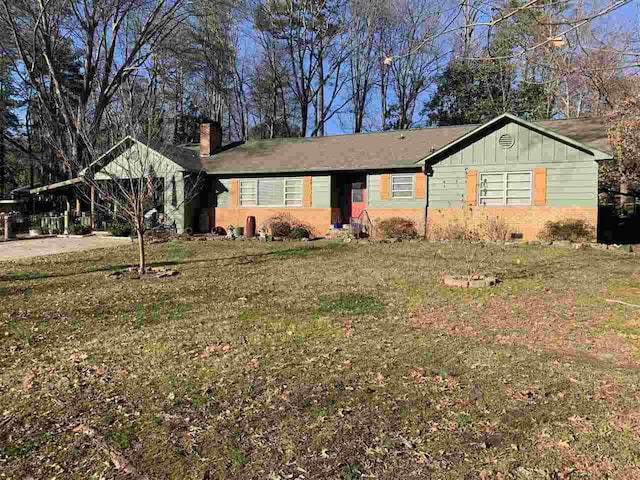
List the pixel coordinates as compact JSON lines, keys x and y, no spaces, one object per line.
{"x":210,"y":138}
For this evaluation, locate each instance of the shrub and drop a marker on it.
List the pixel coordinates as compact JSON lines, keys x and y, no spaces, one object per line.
{"x":495,"y":229}
{"x":79,"y":229}
{"x":120,"y":229}
{"x":286,"y":226}
{"x":571,"y":229}
{"x":460,"y":232}
{"x":298,"y":232}
{"x":398,"y":227}
{"x":280,"y":225}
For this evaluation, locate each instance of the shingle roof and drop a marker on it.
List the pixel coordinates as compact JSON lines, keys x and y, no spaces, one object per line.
{"x":365,"y":151}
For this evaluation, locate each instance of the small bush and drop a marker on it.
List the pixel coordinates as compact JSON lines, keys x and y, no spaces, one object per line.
{"x":286,"y":226}
{"x":496,"y":230}
{"x":398,"y":227}
{"x":460,"y":232}
{"x":79,"y":229}
{"x":571,"y":229}
{"x":298,"y":232}
{"x":120,"y":229}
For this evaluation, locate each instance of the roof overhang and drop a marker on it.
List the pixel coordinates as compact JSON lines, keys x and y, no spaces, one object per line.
{"x":56,"y":186}
{"x":436,"y":156}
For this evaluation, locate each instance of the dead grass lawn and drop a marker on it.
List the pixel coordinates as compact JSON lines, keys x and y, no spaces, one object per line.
{"x":283,"y":361}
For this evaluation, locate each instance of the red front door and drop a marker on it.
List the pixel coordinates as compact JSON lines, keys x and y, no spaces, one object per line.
{"x":358,"y":198}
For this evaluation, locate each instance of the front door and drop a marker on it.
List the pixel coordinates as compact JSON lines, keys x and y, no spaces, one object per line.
{"x":358,"y":198}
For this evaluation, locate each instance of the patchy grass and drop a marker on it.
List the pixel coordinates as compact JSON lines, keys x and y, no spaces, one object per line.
{"x":353,"y":362}
{"x":352,"y":304}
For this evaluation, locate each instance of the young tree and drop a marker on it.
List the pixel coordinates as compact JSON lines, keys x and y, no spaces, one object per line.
{"x":137,"y":177}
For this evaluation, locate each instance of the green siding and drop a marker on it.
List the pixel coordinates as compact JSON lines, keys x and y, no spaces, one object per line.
{"x":373,"y":194}
{"x":321,"y":191}
{"x":572,"y":175}
{"x":224,"y":197}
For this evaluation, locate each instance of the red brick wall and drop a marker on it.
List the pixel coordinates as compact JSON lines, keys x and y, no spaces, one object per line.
{"x":527,"y":220}
{"x":318,"y":218}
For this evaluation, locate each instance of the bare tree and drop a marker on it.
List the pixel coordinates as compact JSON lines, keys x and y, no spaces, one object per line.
{"x":135,"y":176}
{"x":412,"y":74}
{"x":112,"y":39}
{"x":364,"y":28}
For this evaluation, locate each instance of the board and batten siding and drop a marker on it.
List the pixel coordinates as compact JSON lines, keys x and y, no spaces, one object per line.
{"x":320,"y":192}
{"x":572,"y":175}
{"x":374,"y":198}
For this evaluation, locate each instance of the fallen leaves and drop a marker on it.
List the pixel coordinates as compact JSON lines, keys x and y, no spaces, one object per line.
{"x":219,"y":348}
{"x":254,"y":364}
{"x":77,"y":357}
{"x":348,"y":327}
{"x":120,"y":463}
{"x":27,"y":381}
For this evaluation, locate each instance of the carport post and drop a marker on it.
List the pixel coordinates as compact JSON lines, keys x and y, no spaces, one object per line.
{"x":93,"y":207}
{"x":67,"y":214}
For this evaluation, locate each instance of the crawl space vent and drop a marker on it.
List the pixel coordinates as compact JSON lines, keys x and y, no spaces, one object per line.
{"x":506,"y":140}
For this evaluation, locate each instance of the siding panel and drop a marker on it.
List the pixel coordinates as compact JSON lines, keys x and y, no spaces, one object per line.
{"x":321,"y":191}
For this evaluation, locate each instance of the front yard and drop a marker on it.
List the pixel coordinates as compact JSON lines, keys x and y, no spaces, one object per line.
{"x":326,"y":360}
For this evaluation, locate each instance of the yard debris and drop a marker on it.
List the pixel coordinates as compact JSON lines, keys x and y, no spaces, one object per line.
{"x":611,"y":300}
{"x":150,"y":273}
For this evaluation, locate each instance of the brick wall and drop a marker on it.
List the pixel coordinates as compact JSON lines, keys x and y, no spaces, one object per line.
{"x":415,"y":214}
{"x":526,"y":220}
{"x":318,"y":218}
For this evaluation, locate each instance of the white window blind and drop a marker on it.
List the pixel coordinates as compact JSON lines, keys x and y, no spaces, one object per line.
{"x":508,"y":188}
{"x":402,"y":186}
{"x":271,"y":192}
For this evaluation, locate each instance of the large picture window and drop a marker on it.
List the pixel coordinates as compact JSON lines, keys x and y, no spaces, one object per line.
{"x":402,"y":186}
{"x":505,"y":188}
{"x":271,"y":192}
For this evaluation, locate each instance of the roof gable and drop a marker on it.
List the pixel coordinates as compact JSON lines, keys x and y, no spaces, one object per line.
{"x":504,"y":119}
{"x":173,"y":156}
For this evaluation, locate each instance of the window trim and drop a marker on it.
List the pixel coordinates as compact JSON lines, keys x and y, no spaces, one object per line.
{"x":505,"y":189}
{"x":256,"y":187}
{"x":412,"y":176}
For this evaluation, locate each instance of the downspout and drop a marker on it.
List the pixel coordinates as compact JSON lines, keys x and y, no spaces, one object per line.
{"x":428,"y":172}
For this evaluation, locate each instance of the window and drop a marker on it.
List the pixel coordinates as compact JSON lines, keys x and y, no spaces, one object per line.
{"x":512,"y":188}
{"x":402,"y":186}
{"x":293,"y":192}
{"x":271,"y":192}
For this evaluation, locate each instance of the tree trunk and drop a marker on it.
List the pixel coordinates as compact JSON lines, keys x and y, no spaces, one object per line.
{"x":321,"y":92}
{"x":141,"y":255}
